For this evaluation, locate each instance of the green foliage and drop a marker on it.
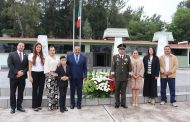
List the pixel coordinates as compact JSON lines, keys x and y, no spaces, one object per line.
{"x":184,"y":4}
{"x":54,"y":18}
{"x":7,"y":31}
{"x":89,"y":86}
{"x":142,"y":27}
{"x":87,"y":30}
{"x":24,"y":14}
{"x":180,"y":24}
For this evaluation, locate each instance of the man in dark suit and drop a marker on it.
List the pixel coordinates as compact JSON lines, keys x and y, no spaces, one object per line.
{"x":18,"y":66}
{"x":64,"y":75}
{"x":120,"y":72}
{"x":78,"y":65}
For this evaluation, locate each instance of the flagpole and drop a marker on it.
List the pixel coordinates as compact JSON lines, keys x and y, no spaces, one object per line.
{"x":73,"y":25}
{"x":80,"y":8}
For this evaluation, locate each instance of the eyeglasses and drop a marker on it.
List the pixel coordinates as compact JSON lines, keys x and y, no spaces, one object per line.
{"x":121,"y":48}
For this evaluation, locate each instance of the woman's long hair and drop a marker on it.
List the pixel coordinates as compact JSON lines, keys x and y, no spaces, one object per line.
{"x":35,"y":54}
{"x":154,"y":52}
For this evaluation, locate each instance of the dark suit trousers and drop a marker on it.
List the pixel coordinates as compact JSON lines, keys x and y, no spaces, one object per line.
{"x":76,"y":84}
{"x":171,"y":83}
{"x":37,"y":88}
{"x":62,"y":93}
{"x":14,"y":83}
{"x":120,"y":87}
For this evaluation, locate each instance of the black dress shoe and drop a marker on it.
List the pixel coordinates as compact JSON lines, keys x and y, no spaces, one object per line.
{"x":72,"y":106}
{"x":39,"y":108}
{"x":12,"y":111}
{"x":21,"y":109}
{"x":116,"y":106}
{"x":124,"y":106}
{"x":79,"y":107}
{"x":65,"y":109}
{"x":35,"y":109}
{"x":61,"y":110}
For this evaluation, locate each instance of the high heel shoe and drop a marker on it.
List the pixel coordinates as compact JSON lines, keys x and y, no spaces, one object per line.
{"x":133,"y":105}
{"x":149,"y":100}
{"x":153,"y":102}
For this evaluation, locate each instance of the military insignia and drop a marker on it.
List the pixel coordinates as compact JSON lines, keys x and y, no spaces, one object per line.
{"x":117,"y":59}
{"x":117,"y":63}
{"x":126,"y":61}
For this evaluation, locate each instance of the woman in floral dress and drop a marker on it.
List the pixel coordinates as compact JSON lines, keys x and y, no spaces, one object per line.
{"x":50,"y":65}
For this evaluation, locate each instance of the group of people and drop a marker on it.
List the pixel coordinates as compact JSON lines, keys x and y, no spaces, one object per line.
{"x":137,"y":74}
{"x":49,"y":71}
{"x":55,"y":73}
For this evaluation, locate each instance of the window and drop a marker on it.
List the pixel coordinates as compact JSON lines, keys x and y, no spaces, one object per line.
{"x":101,"y":55}
{"x":179,"y":52}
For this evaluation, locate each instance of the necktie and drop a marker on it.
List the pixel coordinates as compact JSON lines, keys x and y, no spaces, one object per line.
{"x":77,"y":59}
{"x":20,"y":56}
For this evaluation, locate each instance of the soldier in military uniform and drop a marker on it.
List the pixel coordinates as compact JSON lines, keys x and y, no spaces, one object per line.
{"x":120,"y":72}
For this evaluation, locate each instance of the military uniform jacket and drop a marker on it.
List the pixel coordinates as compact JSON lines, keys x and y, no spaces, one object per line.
{"x":121,"y":67}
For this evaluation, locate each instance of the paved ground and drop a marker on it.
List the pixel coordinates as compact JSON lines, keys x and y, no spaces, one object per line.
{"x":104,"y":113}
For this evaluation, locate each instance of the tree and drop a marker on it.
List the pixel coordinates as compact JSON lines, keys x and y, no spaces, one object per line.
{"x":95,"y":11}
{"x":184,"y":4}
{"x":87,"y":30}
{"x":54,"y":18}
{"x":6,"y":23}
{"x":24,"y":15}
{"x":180,"y":24}
{"x":57,"y":14}
{"x":142,"y":27}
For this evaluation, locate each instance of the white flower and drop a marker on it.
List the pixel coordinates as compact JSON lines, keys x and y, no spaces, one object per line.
{"x":99,"y":80}
{"x":101,"y":76}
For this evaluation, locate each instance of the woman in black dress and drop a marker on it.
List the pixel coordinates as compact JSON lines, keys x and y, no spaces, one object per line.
{"x":151,"y":74}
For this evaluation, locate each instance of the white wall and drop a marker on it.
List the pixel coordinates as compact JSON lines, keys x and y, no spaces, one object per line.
{"x":3,"y":59}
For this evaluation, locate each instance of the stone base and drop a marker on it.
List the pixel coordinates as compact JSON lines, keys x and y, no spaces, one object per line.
{"x":27,"y":102}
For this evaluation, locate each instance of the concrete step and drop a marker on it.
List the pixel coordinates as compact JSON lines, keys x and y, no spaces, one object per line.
{"x":28,"y":90}
{"x":27,"y":102}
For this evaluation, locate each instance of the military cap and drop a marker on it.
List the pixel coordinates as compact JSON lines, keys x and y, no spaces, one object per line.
{"x":121,"y":45}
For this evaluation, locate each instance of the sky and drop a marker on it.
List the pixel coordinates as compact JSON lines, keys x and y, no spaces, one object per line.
{"x":165,"y":8}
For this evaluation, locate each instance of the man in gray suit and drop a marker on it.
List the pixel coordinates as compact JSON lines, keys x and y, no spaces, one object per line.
{"x":120,"y":72}
{"x":18,"y":67}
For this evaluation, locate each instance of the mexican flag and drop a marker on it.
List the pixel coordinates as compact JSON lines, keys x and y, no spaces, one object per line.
{"x":79,"y":19}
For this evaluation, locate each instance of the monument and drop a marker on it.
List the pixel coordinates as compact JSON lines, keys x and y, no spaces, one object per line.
{"x":118,"y":34}
{"x":162,"y":38}
{"x":44,"y":41}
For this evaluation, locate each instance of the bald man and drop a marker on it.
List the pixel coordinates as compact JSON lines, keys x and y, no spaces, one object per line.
{"x":78,"y":65}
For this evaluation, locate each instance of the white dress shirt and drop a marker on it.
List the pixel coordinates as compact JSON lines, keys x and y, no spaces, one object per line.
{"x":167,"y":62}
{"x":38,"y":67}
{"x":76,"y":56}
